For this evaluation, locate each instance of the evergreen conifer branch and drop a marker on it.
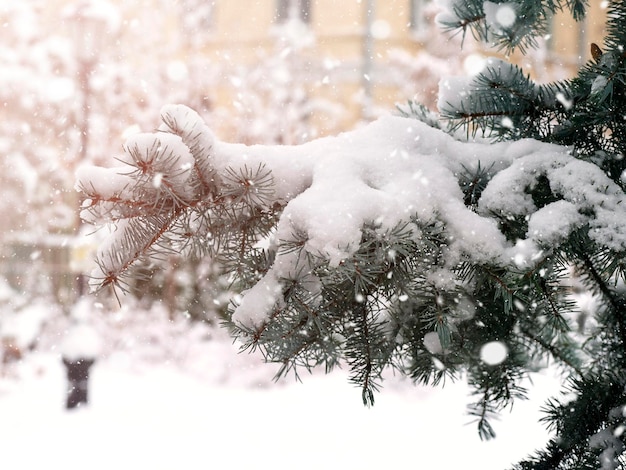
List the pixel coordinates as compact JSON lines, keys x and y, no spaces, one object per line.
{"x":528,"y":20}
{"x":475,"y":248}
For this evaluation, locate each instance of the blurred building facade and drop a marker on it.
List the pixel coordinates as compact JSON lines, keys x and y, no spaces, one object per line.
{"x":349,"y":47}
{"x":345,"y":48}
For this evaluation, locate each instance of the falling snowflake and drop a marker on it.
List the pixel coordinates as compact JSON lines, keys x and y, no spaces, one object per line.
{"x":494,"y":353}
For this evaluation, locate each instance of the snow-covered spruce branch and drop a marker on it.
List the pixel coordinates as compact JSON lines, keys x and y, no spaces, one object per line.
{"x":369,"y":235}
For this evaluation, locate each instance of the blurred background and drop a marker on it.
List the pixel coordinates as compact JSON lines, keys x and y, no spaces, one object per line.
{"x":78,"y":77}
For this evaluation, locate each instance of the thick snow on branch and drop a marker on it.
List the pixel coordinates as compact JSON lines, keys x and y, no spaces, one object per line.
{"x":393,"y":171}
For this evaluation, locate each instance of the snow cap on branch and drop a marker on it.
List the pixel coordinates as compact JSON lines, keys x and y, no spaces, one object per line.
{"x":394,"y":171}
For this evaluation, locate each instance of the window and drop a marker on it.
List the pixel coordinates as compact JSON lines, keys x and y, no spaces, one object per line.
{"x":418,"y":21}
{"x":287,"y":9}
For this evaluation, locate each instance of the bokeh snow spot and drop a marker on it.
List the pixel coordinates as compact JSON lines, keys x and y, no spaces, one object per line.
{"x":177,"y":71}
{"x":473,"y":64}
{"x":381,"y":29}
{"x":432,"y":343}
{"x":500,"y":15}
{"x":567,"y":104}
{"x":493,"y":353}
{"x":506,"y":16}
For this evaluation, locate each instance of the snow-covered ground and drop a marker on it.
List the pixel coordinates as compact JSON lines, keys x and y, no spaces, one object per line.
{"x":217,"y":409}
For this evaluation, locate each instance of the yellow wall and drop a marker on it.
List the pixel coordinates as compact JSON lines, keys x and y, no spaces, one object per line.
{"x":242,"y":33}
{"x":338,"y":26}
